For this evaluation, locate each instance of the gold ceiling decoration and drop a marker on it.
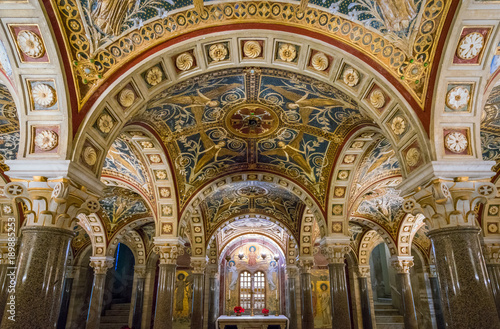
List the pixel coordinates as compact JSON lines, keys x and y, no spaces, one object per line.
{"x":93,"y":64}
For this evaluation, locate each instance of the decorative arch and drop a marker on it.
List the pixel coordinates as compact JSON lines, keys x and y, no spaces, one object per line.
{"x":387,"y":238}
{"x":369,"y":241}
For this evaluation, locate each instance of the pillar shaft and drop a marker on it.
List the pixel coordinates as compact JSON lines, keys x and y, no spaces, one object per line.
{"x":4,"y":284}
{"x":138,"y":303}
{"x":306,"y":300}
{"x":436,"y":299}
{"x":63,"y":314}
{"x":410,"y":313}
{"x":292,"y":302}
{"x":165,"y":296}
{"x":338,"y":296}
{"x":213,"y":302}
{"x":96,"y":301}
{"x":365,"y":303}
{"x":197,"y":301}
{"x":43,"y":254}
{"x":463,"y":278}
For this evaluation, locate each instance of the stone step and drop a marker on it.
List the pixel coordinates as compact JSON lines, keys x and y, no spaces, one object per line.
{"x":386,"y":311}
{"x":123,"y":306}
{"x":382,"y":306}
{"x":389,"y":319}
{"x":112,"y":325}
{"x":382,"y":326}
{"x":114,"y":319}
{"x":117,"y":312}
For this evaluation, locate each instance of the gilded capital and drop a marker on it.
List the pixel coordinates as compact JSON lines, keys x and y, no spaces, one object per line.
{"x":168,"y":253}
{"x":335,"y":253}
{"x":449,"y":203}
{"x":101,"y":264}
{"x":492,"y":254}
{"x":305,"y":264}
{"x":363,"y":271}
{"x":140,"y":271}
{"x":292,"y":271}
{"x":401,"y":264}
{"x":51,"y":203}
{"x":199,"y":264}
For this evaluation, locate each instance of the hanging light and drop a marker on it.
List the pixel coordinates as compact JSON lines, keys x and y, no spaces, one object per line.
{"x":263,"y":254}
{"x":276,"y":258}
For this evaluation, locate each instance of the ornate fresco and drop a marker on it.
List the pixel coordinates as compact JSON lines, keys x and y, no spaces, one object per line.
{"x":255,"y":198}
{"x":267,"y":119}
{"x":9,"y":126}
{"x":120,"y":206}
{"x":124,"y":162}
{"x":379,"y":162}
{"x":490,"y":127}
{"x":103,"y":34}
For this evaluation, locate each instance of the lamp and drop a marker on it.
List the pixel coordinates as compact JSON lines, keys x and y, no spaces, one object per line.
{"x":263,"y":253}
{"x":241,"y":255}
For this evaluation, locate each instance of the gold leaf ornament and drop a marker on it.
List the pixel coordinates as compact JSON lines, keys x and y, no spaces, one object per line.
{"x":287,"y":52}
{"x":351,"y":77}
{"x":30,"y":44}
{"x":252,"y":49}
{"x":126,"y":97}
{"x":44,"y":95}
{"x":46,"y":140}
{"x":319,"y":62}
{"x":90,"y":155}
{"x":377,"y":99}
{"x":105,"y":123}
{"x":154,"y":76}
{"x":184,"y":61}
{"x":218,"y":52}
{"x":412,"y":156}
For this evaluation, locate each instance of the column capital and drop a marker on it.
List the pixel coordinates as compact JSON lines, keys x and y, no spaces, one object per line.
{"x":101,"y":264}
{"x":305,"y":264}
{"x":363,"y":271}
{"x":335,"y":249}
{"x":212,"y":271}
{"x":402,"y":264}
{"x":140,"y":271}
{"x":292,"y":271}
{"x":52,"y":203}
{"x":199,"y":264}
{"x":492,"y":254}
{"x":431,"y":270}
{"x":168,"y":250}
{"x":71,"y":271}
{"x":449,"y":202}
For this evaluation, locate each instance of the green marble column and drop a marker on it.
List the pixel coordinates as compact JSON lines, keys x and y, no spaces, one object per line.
{"x":101,"y":266}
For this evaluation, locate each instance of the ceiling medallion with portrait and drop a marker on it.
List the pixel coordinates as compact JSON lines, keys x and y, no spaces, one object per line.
{"x":252,"y":191}
{"x":251,"y":120}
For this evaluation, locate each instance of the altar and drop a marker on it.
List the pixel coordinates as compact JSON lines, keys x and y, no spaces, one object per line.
{"x":253,"y":322}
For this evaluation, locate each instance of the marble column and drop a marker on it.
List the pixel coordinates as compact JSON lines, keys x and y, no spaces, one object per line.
{"x":4,"y":283}
{"x":140,"y":279}
{"x":166,"y":286}
{"x":334,"y":249}
{"x":402,"y":266}
{"x":291,"y":272}
{"x":366,"y":311}
{"x":306,"y":292}
{"x":39,"y":279}
{"x":494,"y":275}
{"x":436,"y":298}
{"x":213,"y":296}
{"x":100,"y":266}
{"x":466,"y":296}
{"x":198,"y":274}
{"x":67,"y":289}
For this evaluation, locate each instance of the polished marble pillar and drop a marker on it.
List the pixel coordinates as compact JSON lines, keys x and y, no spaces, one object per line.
{"x":366,"y":311}
{"x":67,"y":289}
{"x":165,"y":296}
{"x":213,"y":296}
{"x":436,"y":298}
{"x":402,"y":266}
{"x":4,"y":283}
{"x":292,"y":296}
{"x":494,"y":275}
{"x":100,"y":266}
{"x":140,"y":279}
{"x":335,"y":248}
{"x":466,"y":296}
{"x":306,"y":293}
{"x":198,"y":274}
{"x":39,"y":278}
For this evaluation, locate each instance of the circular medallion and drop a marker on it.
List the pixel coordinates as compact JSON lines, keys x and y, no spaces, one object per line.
{"x":252,"y":49}
{"x":44,"y":95}
{"x":154,"y":76}
{"x":377,"y":99}
{"x":30,"y":44}
{"x":492,"y":228}
{"x":252,"y":120}
{"x":287,"y":52}
{"x":252,"y":191}
{"x":493,"y":210}
{"x":457,"y":98}
{"x":319,"y":62}
{"x":470,"y":46}
{"x":46,"y":140}
{"x":351,"y":77}
{"x":90,"y":155}
{"x":217,"y":52}
{"x":456,"y":142}
{"x":126,"y":97}
{"x":398,"y":125}
{"x":413,"y":157}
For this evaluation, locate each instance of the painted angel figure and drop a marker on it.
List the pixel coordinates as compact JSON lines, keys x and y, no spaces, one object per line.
{"x":233,"y":278}
{"x":397,"y":13}
{"x":109,"y":15}
{"x":273,"y":268}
